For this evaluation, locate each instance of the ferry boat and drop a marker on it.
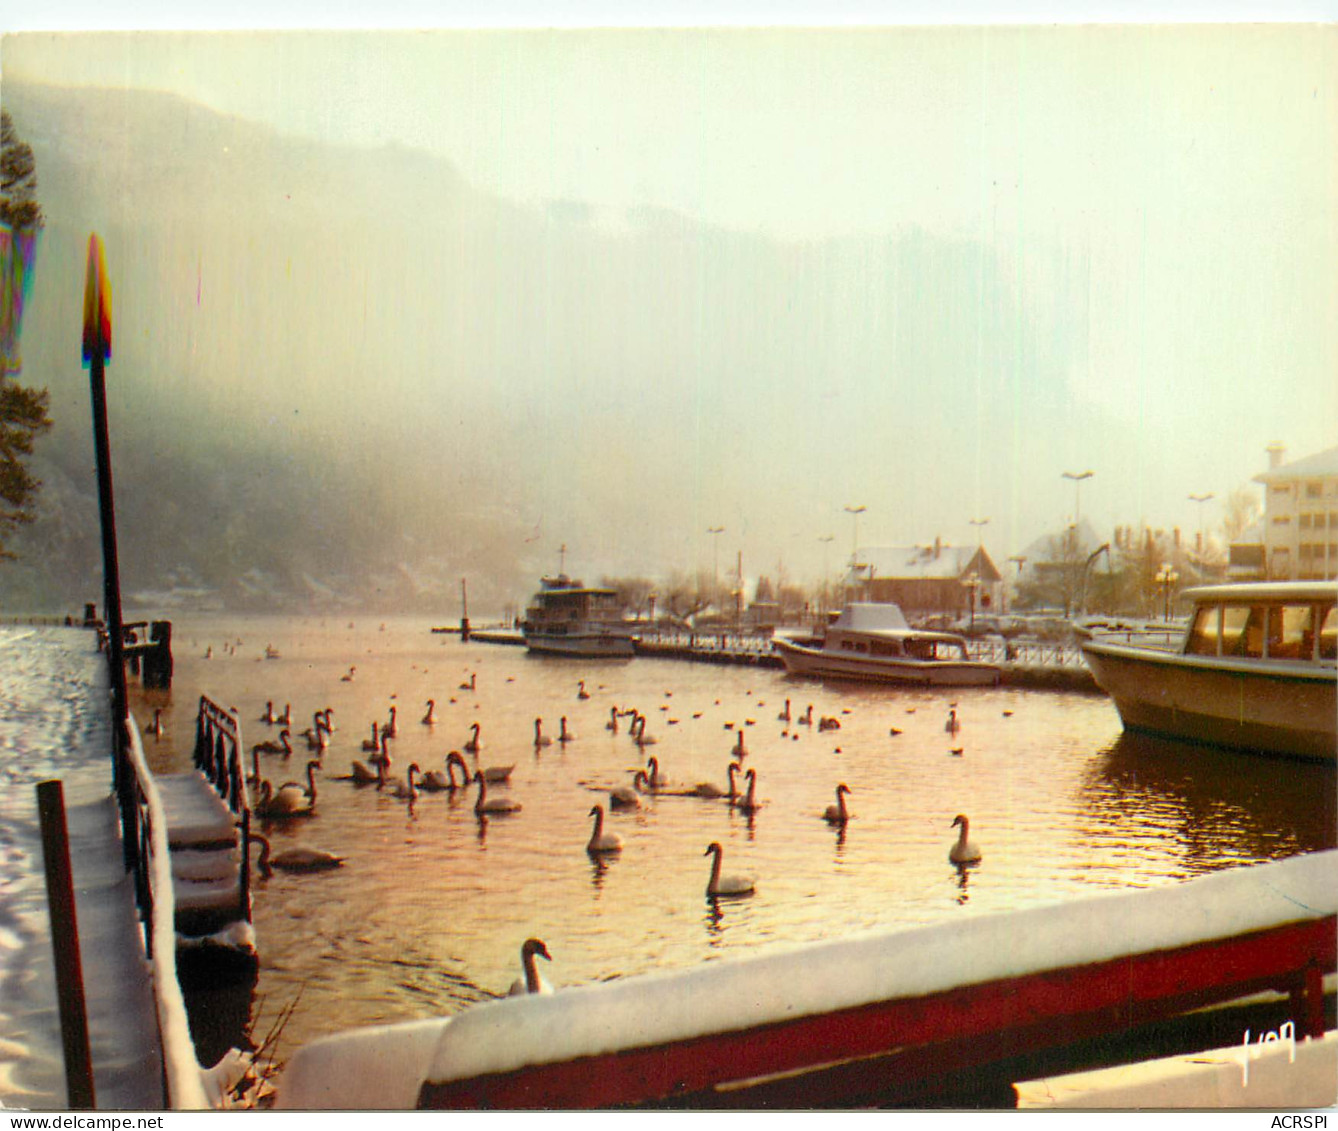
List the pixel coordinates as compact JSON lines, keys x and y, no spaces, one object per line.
{"x":569,"y":618}
{"x":872,"y":641}
{"x":1254,"y":669}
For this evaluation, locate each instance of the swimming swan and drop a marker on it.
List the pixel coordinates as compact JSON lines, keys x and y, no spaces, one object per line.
{"x":532,"y":983}
{"x":294,"y":859}
{"x":838,"y":814}
{"x":710,"y":790}
{"x":430,"y":719}
{"x":486,"y":806}
{"x":953,"y":725}
{"x":283,"y":746}
{"x":725,"y":885}
{"x":748,"y":803}
{"x":472,"y":746}
{"x":963,"y":851}
{"x":628,"y":796}
{"x":600,"y":841}
{"x":541,"y":739}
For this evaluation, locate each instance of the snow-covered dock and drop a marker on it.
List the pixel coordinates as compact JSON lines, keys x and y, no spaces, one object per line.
{"x":861,"y":1020}
{"x":55,"y":722}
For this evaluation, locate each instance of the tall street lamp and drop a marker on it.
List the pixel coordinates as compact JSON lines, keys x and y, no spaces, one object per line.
{"x":854,"y":512}
{"x":826,"y":540}
{"x":1078,"y":477}
{"x":1200,"y":499}
{"x":715,"y":532}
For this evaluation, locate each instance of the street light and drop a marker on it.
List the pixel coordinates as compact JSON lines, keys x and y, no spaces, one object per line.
{"x":1201,"y":499}
{"x":715,"y":561}
{"x":1166,"y":578}
{"x":854,"y":512}
{"x":1077,"y":477}
{"x":972,"y":583}
{"x":979,"y":524}
{"x":826,"y":540}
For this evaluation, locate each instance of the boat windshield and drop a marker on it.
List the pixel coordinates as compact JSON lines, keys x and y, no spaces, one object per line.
{"x":1278,"y":631}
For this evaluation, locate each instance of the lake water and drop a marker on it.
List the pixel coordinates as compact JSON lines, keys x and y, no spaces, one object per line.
{"x":429,"y":913}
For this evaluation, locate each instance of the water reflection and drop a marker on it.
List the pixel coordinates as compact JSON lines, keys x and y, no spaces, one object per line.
{"x":963,"y":879}
{"x":1219,"y":803}
{"x":599,"y":867}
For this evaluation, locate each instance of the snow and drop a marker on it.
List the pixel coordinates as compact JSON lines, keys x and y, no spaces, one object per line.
{"x":381,"y":1067}
{"x":870,"y":616}
{"x":652,"y":1009}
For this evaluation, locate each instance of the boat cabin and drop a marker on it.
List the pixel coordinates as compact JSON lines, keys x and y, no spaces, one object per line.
{"x":562,"y":602}
{"x":870,"y":628}
{"x":1271,"y":621}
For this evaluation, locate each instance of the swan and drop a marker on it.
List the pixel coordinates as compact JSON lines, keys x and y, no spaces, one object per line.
{"x":600,"y":841}
{"x":294,"y":859}
{"x":468,"y":685}
{"x":748,"y":803}
{"x":391,"y":730}
{"x":963,"y":851}
{"x":838,"y":814}
{"x":268,"y":717}
{"x":156,"y":727}
{"x":472,"y":746}
{"x":806,"y":719}
{"x":564,"y":735}
{"x":283,"y":746}
{"x":532,"y":982}
{"x":612,"y":724}
{"x":316,"y":736}
{"x":953,"y":725}
{"x":541,"y":739}
{"x":638,"y":732}
{"x":436,"y":781}
{"x":581,"y":692}
{"x":654,"y":779}
{"x":784,"y":716}
{"x":373,"y":744}
{"x":628,"y":796}
{"x":286,"y":719}
{"x":430,"y":719}
{"x":348,"y":676}
{"x":254,"y":778}
{"x":291,"y":800}
{"x":329,"y":725}
{"x":725,"y":885}
{"x":403,"y":788}
{"x":361,"y":774}
{"x":493,"y":775}
{"x":486,"y":806}
{"x":826,"y":722}
{"x":708,"y":789}
{"x":738,"y":750}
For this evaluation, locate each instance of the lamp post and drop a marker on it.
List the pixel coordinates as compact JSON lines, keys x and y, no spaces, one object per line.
{"x":1021,"y":560}
{"x":826,"y":540}
{"x":715,"y":532}
{"x":972,"y":583}
{"x":1166,"y":578}
{"x":854,"y":512}
{"x":1078,"y":477}
{"x":1200,"y":499}
{"x":979,"y":524}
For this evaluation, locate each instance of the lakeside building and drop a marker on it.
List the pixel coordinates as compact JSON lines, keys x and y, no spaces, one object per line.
{"x":928,"y":579}
{"x":1297,"y":539}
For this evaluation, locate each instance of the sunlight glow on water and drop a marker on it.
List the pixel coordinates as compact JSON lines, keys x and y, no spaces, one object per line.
{"x":430,"y":910}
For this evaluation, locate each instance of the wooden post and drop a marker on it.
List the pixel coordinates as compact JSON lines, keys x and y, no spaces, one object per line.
{"x":464,"y":612}
{"x":65,"y":945}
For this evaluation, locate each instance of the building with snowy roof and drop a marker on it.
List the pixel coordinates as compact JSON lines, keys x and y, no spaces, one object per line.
{"x":928,"y":579}
{"x":1300,"y":528}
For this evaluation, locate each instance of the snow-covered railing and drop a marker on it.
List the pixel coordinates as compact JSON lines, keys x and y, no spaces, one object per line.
{"x":218,"y":753}
{"x":181,"y":1070}
{"x":862,"y":1017}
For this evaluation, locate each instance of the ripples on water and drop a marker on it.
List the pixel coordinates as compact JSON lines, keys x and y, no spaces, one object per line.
{"x":429,"y":912}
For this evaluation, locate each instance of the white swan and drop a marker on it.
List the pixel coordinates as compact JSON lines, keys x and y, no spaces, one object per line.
{"x":329,"y":724}
{"x":748,"y":803}
{"x":806,"y":719}
{"x":291,"y":800}
{"x":638,"y":732}
{"x":784,"y":716}
{"x":654,"y":779}
{"x":269,"y":746}
{"x":348,"y":677}
{"x":710,"y":790}
{"x":612,"y":724}
{"x":404,"y":788}
{"x":430,"y":719}
{"x":953,"y":725}
{"x":373,"y":744}
{"x":286,"y":719}
{"x":541,"y":739}
{"x":838,"y":814}
{"x":486,"y":806}
{"x":391,"y":730}
{"x":532,"y":983}
{"x":725,"y":885}
{"x":628,"y":796}
{"x":581,"y":692}
{"x":294,"y":859}
{"x":268,"y":717}
{"x":361,"y":774}
{"x":564,"y":735}
{"x":963,"y":851}
{"x":468,"y":685}
{"x":600,"y":841}
{"x":739,"y":751}
{"x":472,"y":746}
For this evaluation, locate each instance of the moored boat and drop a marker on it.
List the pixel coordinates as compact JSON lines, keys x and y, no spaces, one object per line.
{"x":1255,"y":669}
{"x":872,"y":641}
{"x":569,"y":618}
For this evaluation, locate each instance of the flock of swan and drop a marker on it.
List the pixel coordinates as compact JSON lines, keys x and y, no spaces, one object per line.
{"x":298,"y":799}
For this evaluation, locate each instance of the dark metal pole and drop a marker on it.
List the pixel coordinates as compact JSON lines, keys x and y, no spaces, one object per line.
{"x":65,"y":945}
{"x":96,"y":351}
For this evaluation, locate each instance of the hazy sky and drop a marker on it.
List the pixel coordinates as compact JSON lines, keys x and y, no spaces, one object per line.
{"x":1158,"y":203}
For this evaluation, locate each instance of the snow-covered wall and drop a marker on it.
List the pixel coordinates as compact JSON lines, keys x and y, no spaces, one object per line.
{"x":653,"y":1009}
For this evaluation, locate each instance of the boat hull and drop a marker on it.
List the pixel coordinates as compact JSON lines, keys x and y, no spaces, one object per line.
{"x":800,"y":659}
{"x":596,"y":645}
{"x":1277,"y":709}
